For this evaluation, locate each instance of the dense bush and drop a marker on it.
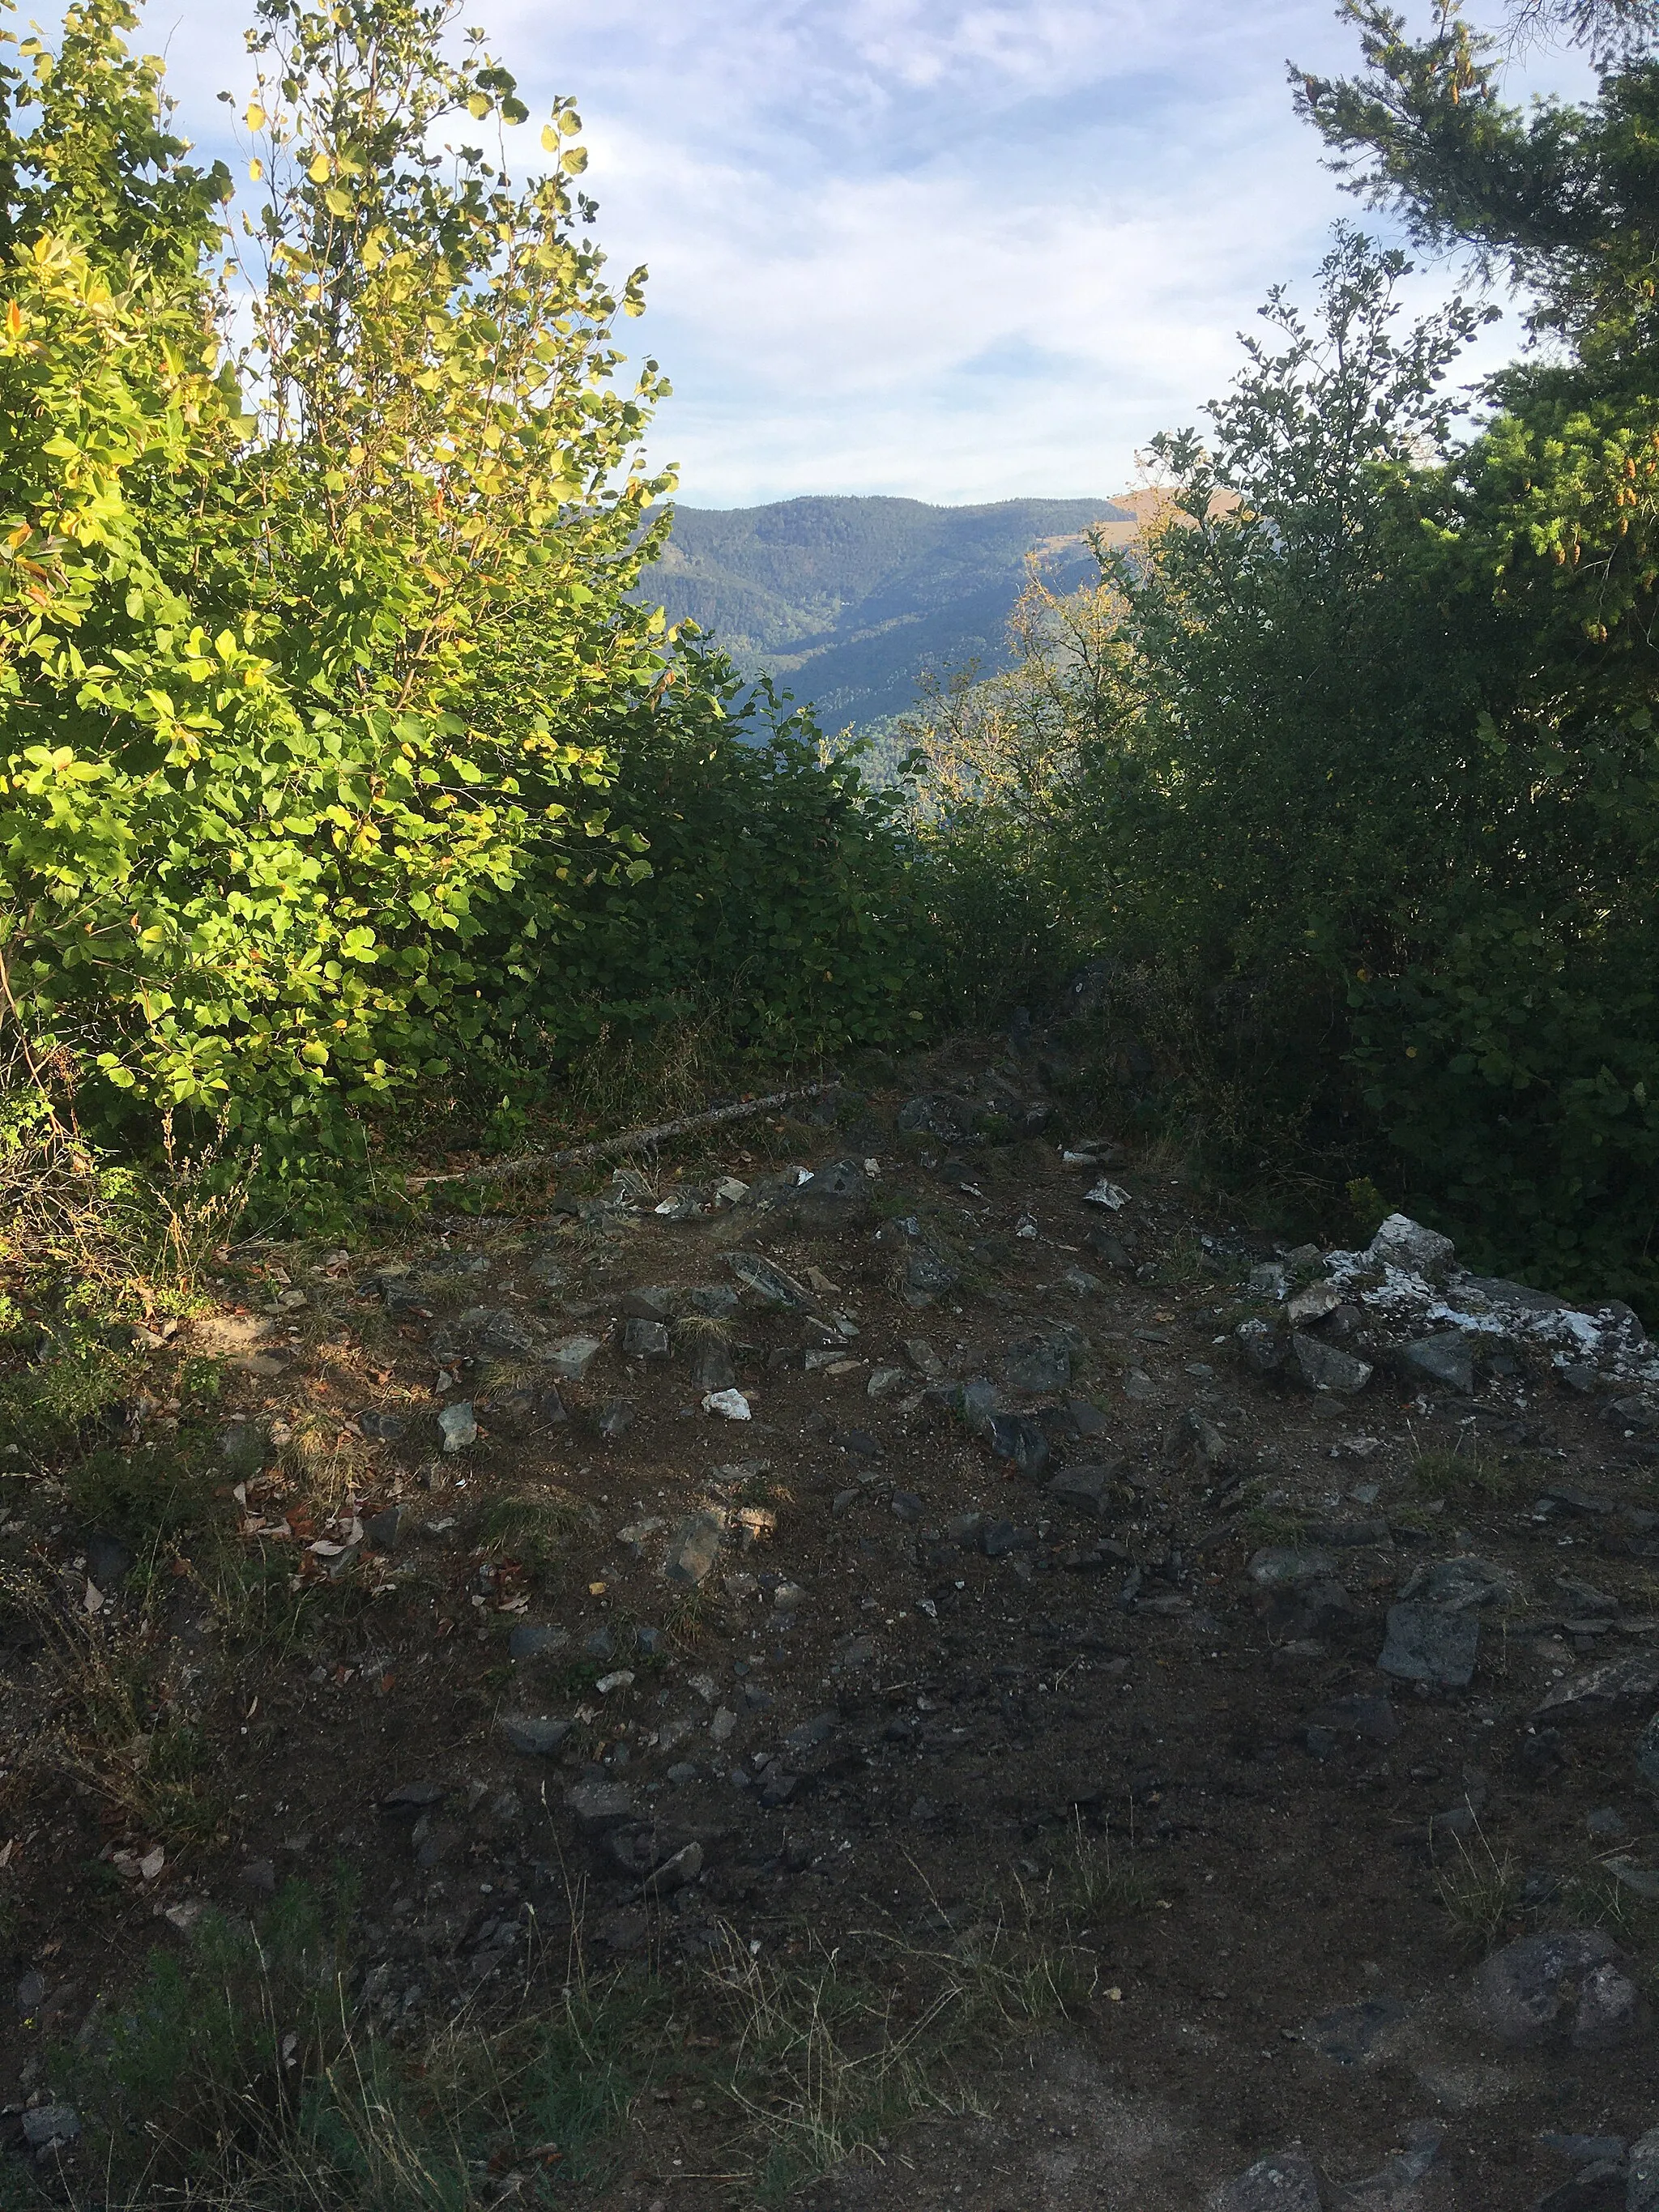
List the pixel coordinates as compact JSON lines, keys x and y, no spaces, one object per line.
{"x":1366,"y":815}
{"x":320,"y":653}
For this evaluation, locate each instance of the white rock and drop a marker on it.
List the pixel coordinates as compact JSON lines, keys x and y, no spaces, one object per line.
{"x":729,"y":1405}
{"x":1111,"y":1195}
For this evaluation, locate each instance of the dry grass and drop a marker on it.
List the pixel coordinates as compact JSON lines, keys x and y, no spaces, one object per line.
{"x":1480,"y":1891}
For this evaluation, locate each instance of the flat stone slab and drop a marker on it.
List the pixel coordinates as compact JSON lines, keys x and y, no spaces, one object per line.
{"x":1430,"y":1643}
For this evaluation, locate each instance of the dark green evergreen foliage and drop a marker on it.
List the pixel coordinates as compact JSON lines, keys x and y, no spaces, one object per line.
{"x":1385,"y":764}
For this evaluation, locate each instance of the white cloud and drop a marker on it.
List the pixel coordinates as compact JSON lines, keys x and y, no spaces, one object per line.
{"x":963,"y":249}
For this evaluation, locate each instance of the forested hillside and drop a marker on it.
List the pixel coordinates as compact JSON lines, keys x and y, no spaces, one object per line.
{"x":847,"y":602}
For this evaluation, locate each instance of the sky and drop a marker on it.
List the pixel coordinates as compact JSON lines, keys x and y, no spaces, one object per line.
{"x":953,"y":250}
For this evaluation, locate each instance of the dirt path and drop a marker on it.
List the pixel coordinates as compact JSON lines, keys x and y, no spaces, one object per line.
{"x":895,"y":1663}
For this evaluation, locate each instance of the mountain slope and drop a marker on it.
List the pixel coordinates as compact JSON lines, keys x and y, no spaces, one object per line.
{"x":846,"y":601}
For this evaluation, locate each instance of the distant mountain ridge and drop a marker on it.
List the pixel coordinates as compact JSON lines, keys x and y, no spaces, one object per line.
{"x":846,"y":600}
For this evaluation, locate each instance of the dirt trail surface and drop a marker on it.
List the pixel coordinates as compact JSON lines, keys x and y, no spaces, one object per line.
{"x":780,"y":1563}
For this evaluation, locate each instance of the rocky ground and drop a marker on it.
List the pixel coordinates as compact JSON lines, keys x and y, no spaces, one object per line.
{"x":909,"y":1537}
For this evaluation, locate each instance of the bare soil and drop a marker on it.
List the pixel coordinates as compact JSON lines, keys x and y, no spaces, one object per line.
{"x":1119,"y":1681}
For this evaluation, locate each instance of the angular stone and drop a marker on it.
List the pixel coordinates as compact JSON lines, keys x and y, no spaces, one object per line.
{"x":1599,"y":2187}
{"x":1037,"y":1365}
{"x":1564,"y":1984}
{"x":1644,"y":2173}
{"x":1269,"y":1278}
{"x":1262,"y":1348}
{"x":1457,"y":1584}
{"x":381,"y":1428}
{"x":1018,"y":1440}
{"x":696,"y":1548}
{"x":712,"y":1369}
{"x":837,"y":1197}
{"x":458,"y":1426}
{"x":644,"y":1339}
{"x":1279,"y":1566}
{"x":1284,"y":2181}
{"x":771,"y":1283}
{"x":1086,"y":1487}
{"x":498,"y":1329}
{"x":1601,"y":1690}
{"x":714,"y":1300}
{"x":596,"y":1807}
{"x":1647,"y":1752}
{"x":1406,"y":1244}
{"x":384,"y":1528}
{"x":571,"y":1359}
{"x":1352,"y":2032}
{"x":413,"y":1797}
{"x":532,"y":1640}
{"x":1430,"y":1644}
{"x":654,"y":1303}
{"x":49,"y":2128}
{"x":1446,"y":1357}
{"x":926,"y":1278}
{"x":1324,"y":1367}
{"x":1372,"y":1719}
{"x":534,"y":1735}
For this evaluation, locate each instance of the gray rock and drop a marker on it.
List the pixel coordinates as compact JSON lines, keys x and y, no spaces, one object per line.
{"x":1603,"y":1689}
{"x":1568,"y":1984}
{"x":571,"y":1359}
{"x":682,"y":1867}
{"x":458,"y":1426}
{"x":1278,"y":1566}
{"x":1352,"y":2032}
{"x":907,"y":1506}
{"x":600,"y":1644}
{"x":498,"y":1329}
{"x":810,"y":1734}
{"x":1647,"y":1752}
{"x":1643,"y":2174}
{"x":108,"y":1560}
{"x":1373,"y":1720}
{"x":1447,"y":1358}
{"x":1019,"y":1441}
{"x":50,"y":2128}
{"x":534,"y":1735}
{"x":926,"y":1278}
{"x":1284,"y":2181}
{"x":939,"y":1115}
{"x":1040,"y":1366}
{"x":837,"y":1197}
{"x":655,"y":1302}
{"x":923,"y":1358}
{"x":384,"y":1528}
{"x":696,"y":1548}
{"x":1585,"y":2150}
{"x":1430,"y":1643}
{"x":30,"y":1993}
{"x":532,"y":1640}
{"x":1457,"y":1584}
{"x":596,"y":1807}
{"x":616,"y":1418}
{"x":715,"y":1300}
{"x":712,"y":1368}
{"x":644,"y":1339}
{"x":1262,"y":1348}
{"x":771,"y":1283}
{"x":1325,"y":1366}
{"x":1190,"y":1435}
{"x":381,"y":1428}
{"x":1086,"y":1486}
{"x":1406,"y":1244}
{"x":1271,"y":1279}
{"x":650,"y":1642}
{"x":1597,"y":2188}
{"x":410,"y":1798}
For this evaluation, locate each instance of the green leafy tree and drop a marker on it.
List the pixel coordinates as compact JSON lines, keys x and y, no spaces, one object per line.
{"x":304,"y":654}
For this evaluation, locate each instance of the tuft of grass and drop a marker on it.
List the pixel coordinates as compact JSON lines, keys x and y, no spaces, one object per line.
{"x":244,"y":2075}
{"x":1481,"y":1892}
{"x":533,"y":1526}
{"x":1465,"y":1473}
